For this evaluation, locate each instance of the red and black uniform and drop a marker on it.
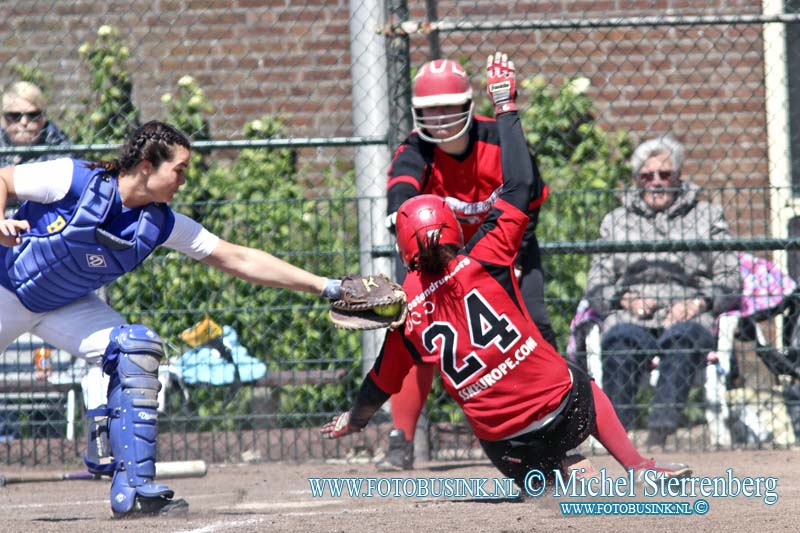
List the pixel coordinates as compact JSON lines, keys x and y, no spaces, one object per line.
{"x":471,"y":183}
{"x":524,"y":403}
{"x":527,"y":407}
{"x":471,"y":324}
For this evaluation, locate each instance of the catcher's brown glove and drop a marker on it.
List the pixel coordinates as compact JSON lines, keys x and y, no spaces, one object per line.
{"x":369,"y":302}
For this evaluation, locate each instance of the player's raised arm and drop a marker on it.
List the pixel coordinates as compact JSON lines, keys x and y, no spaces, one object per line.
{"x":518,"y":173}
{"x":501,"y":233}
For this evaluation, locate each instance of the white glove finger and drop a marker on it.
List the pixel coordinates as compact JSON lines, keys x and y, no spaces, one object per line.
{"x":493,"y":69}
{"x":391,"y":221}
{"x":342,"y":421}
{"x":512,"y":71}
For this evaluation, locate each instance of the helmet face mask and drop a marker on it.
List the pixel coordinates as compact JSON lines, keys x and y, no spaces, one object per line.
{"x":442,"y":83}
{"x":427,"y":125}
{"x":422,"y":219}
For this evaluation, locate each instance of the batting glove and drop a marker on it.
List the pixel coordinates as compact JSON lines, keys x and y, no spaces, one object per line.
{"x":338,"y":427}
{"x":501,"y":83}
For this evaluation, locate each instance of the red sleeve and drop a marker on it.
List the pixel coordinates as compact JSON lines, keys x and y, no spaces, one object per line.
{"x":407,"y":166}
{"x":393,"y":363}
{"x":540,"y":200}
{"x":499,"y":237}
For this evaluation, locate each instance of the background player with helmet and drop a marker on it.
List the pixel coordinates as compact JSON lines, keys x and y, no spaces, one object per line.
{"x":466,"y":317}
{"x":83,"y":225}
{"x":455,"y":154}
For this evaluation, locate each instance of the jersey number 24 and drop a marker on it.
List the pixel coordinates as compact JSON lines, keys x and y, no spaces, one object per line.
{"x":486,"y":327}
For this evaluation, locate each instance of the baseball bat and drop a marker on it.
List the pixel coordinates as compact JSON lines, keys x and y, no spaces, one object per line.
{"x":164,"y":469}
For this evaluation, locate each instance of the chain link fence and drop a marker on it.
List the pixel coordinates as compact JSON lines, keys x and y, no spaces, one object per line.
{"x":294,"y":110}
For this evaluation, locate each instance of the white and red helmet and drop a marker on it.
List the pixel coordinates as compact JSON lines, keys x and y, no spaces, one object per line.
{"x":419,"y":219}
{"x":441,"y":82}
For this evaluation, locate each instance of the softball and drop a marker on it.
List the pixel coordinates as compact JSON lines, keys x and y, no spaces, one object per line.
{"x":388,"y":309}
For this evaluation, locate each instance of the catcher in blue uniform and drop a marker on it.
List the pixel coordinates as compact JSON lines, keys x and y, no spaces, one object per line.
{"x":82,"y":225}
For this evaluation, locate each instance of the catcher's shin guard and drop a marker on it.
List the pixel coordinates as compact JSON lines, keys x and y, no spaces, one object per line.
{"x":132,"y":360}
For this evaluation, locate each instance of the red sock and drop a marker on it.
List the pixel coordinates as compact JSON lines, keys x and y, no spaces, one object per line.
{"x":611,"y":433}
{"x":408,"y":403}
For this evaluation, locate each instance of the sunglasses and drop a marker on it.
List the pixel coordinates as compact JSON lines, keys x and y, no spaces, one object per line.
{"x":664,"y":175}
{"x":13,"y":117}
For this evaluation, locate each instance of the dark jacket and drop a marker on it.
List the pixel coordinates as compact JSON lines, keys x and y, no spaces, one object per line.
{"x":50,"y":135}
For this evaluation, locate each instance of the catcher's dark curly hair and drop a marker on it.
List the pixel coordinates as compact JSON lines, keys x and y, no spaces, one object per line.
{"x":153,"y":142}
{"x":433,"y":257}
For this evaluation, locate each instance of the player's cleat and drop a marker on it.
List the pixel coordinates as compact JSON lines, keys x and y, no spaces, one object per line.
{"x":400,"y":455}
{"x":655,"y":470}
{"x":158,"y":505}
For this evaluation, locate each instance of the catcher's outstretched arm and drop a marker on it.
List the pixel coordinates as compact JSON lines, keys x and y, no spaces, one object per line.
{"x":262,"y":268}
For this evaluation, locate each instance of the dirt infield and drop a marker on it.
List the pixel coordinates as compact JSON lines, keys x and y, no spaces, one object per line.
{"x":277,"y":497}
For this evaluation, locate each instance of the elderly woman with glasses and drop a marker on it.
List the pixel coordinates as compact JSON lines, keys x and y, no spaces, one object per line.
{"x":24,"y":123}
{"x":660,"y":303}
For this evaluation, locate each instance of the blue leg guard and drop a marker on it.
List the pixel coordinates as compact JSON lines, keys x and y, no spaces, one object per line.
{"x":132,"y":360}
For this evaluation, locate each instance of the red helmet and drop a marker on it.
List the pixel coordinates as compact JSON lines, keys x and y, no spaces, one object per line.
{"x":423,"y":216}
{"x":442,"y":82}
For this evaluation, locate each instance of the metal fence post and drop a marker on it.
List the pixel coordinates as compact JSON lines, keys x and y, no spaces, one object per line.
{"x":398,"y":70}
{"x":370,"y":117}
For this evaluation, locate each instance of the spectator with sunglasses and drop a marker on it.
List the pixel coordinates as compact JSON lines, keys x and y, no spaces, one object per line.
{"x":24,"y":123}
{"x":660,"y":303}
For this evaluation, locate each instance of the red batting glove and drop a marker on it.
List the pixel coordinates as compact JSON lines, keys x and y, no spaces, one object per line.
{"x":338,"y":427}
{"x":501,"y":83}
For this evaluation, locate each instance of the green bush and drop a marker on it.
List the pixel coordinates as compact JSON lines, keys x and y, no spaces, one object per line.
{"x":255,"y":200}
{"x":31,"y":73}
{"x":582,"y":165}
{"x":113,"y":113}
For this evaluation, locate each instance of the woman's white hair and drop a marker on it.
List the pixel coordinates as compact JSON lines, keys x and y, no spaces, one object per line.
{"x":665,"y":144}
{"x":26,"y":91}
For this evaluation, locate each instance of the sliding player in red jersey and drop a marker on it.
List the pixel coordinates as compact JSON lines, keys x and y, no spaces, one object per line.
{"x":455,"y":154}
{"x":466,"y":317}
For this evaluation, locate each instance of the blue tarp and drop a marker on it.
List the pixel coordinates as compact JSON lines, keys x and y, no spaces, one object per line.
{"x":204,"y":364}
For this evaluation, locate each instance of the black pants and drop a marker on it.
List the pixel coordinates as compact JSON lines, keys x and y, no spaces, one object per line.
{"x":544,"y":449}
{"x":627,"y":351}
{"x":531,"y":286}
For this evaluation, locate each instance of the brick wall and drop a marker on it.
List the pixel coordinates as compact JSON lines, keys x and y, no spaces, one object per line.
{"x":702,"y":83}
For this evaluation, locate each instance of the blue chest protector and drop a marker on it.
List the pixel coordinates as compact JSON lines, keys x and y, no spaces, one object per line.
{"x":52,"y":268}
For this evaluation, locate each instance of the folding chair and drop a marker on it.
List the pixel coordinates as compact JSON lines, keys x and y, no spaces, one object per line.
{"x":766,"y":292}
